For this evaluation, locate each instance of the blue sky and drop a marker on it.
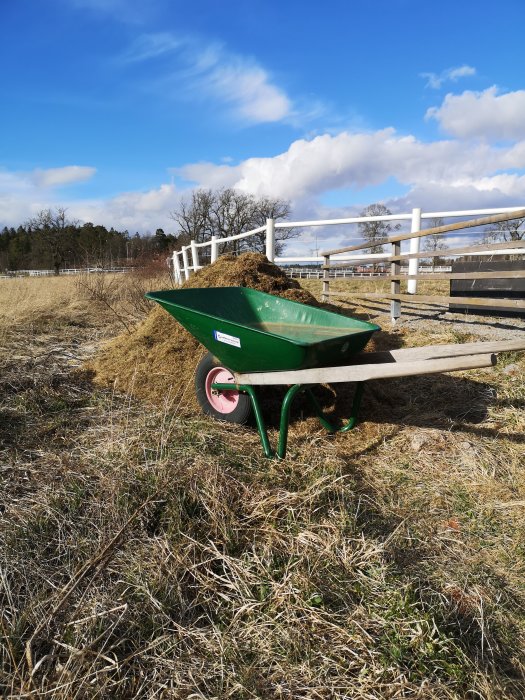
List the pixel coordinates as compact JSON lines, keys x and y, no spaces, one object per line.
{"x":116,"y":109}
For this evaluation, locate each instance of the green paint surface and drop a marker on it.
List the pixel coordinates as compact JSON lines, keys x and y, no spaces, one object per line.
{"x":251,"y":331}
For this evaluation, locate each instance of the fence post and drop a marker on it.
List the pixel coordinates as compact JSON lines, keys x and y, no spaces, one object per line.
{"x":176,"y":268}
{"x":326,"y":278}
{"x":413,"y":263}
{"x":185,"y":262}
{"x":194,"y":256}
{"x":270,"y":239}
{"x":214,"y":253}
{"x":395,"y":285}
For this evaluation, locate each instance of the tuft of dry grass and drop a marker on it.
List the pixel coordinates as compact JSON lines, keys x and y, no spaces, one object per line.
{"x":145,"y":553}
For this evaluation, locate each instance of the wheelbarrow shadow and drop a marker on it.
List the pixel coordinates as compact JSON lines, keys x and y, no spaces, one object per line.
{"x":439,"y":401}
{"x":442,"y":401}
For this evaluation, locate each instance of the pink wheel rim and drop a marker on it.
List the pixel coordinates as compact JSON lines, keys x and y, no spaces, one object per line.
{"x":221,"y":401}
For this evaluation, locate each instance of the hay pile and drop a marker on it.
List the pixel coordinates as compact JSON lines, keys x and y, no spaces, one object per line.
{"x":157,"y":361}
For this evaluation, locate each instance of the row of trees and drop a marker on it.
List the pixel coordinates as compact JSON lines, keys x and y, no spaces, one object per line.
{"x":52,"y":240}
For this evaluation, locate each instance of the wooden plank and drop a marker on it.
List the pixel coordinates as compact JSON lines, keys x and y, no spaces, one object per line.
{"x":362,"y":373}
{"x":428,"y":352}
{"x":435,"y":300}
{"x":466,"y":250}
{"x":395,"y":284}
{"x":487,"y":220}
{"x":494,"y":275}
{"x":447,"y":253}
{"x":326,"y":279}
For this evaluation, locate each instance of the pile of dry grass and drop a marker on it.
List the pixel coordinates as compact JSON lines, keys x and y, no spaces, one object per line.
{"x":157,"y":360}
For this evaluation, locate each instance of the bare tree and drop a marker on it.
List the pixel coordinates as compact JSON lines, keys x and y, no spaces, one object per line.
{"x":505,"y":231}
{"x":374,"y":231}
{"x":194,"y":217}
{"x":53,"y":231}
{"x":229,"y":212}
{"x":435,"y":241}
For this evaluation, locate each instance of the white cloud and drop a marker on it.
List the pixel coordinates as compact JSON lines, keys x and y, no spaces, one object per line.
{"x":14,"y":183}
{"x":436,"y":80}
{"x":57,"y":177}
{"x":442,"y":175}
{"x":134,"y":211}
{"x":154,"y":201}
{"x":484,"y":114}
{"x":237,"y":81}
{"x":23,"y":196}
{"x":20,"y":198}
{"x":247,"y":88}
{"x":210,"y":175}
{"x":148,"y":46}
{"x":461,"y":72}
{"x":484,"y":193}
{"x":439,"y":175}
{"x":309,"y":168}
{"x":195,"y":70}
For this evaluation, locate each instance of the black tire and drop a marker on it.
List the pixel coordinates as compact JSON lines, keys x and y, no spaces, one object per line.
{"x":240,"y":414}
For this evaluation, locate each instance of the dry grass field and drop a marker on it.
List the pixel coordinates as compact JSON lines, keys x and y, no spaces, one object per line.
{"x":148,"y":552}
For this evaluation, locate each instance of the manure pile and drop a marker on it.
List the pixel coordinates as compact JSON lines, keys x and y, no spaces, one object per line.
{"x":157,"y":361}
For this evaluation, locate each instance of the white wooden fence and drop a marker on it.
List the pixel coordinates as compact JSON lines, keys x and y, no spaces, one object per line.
{"x":183,"y":268}
{"x":9,"y":274}
{"x":187,"y":260}
{"x":309,"y":273}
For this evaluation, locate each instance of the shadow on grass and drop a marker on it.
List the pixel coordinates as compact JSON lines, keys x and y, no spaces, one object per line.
{"x":415,"y":560}
{"x":441,"y":401}
{"x":414,"y":312}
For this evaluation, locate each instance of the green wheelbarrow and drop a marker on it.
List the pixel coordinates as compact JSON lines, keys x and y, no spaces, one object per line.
{"x":258,"y":339}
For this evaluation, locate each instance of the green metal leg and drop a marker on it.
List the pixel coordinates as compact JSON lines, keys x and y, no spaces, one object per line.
{"x":285,"y":413}
{"x":356,"y":403}
{"x":285,"y":419}
{"x":319,"y":411}
{"x":358,"y":395}
{"x":261,"y":425}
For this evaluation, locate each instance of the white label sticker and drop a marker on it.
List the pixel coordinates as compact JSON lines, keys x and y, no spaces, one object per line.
{"x":228,"y":339}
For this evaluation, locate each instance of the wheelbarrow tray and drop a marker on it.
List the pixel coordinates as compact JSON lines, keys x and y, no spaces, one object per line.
{"x":251,"y":331}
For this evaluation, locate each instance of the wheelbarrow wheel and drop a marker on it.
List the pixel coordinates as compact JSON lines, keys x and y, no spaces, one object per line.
{"x":231,"y":406}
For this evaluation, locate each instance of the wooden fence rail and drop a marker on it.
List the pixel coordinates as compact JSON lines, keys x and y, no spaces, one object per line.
{"x":396,"y":297}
